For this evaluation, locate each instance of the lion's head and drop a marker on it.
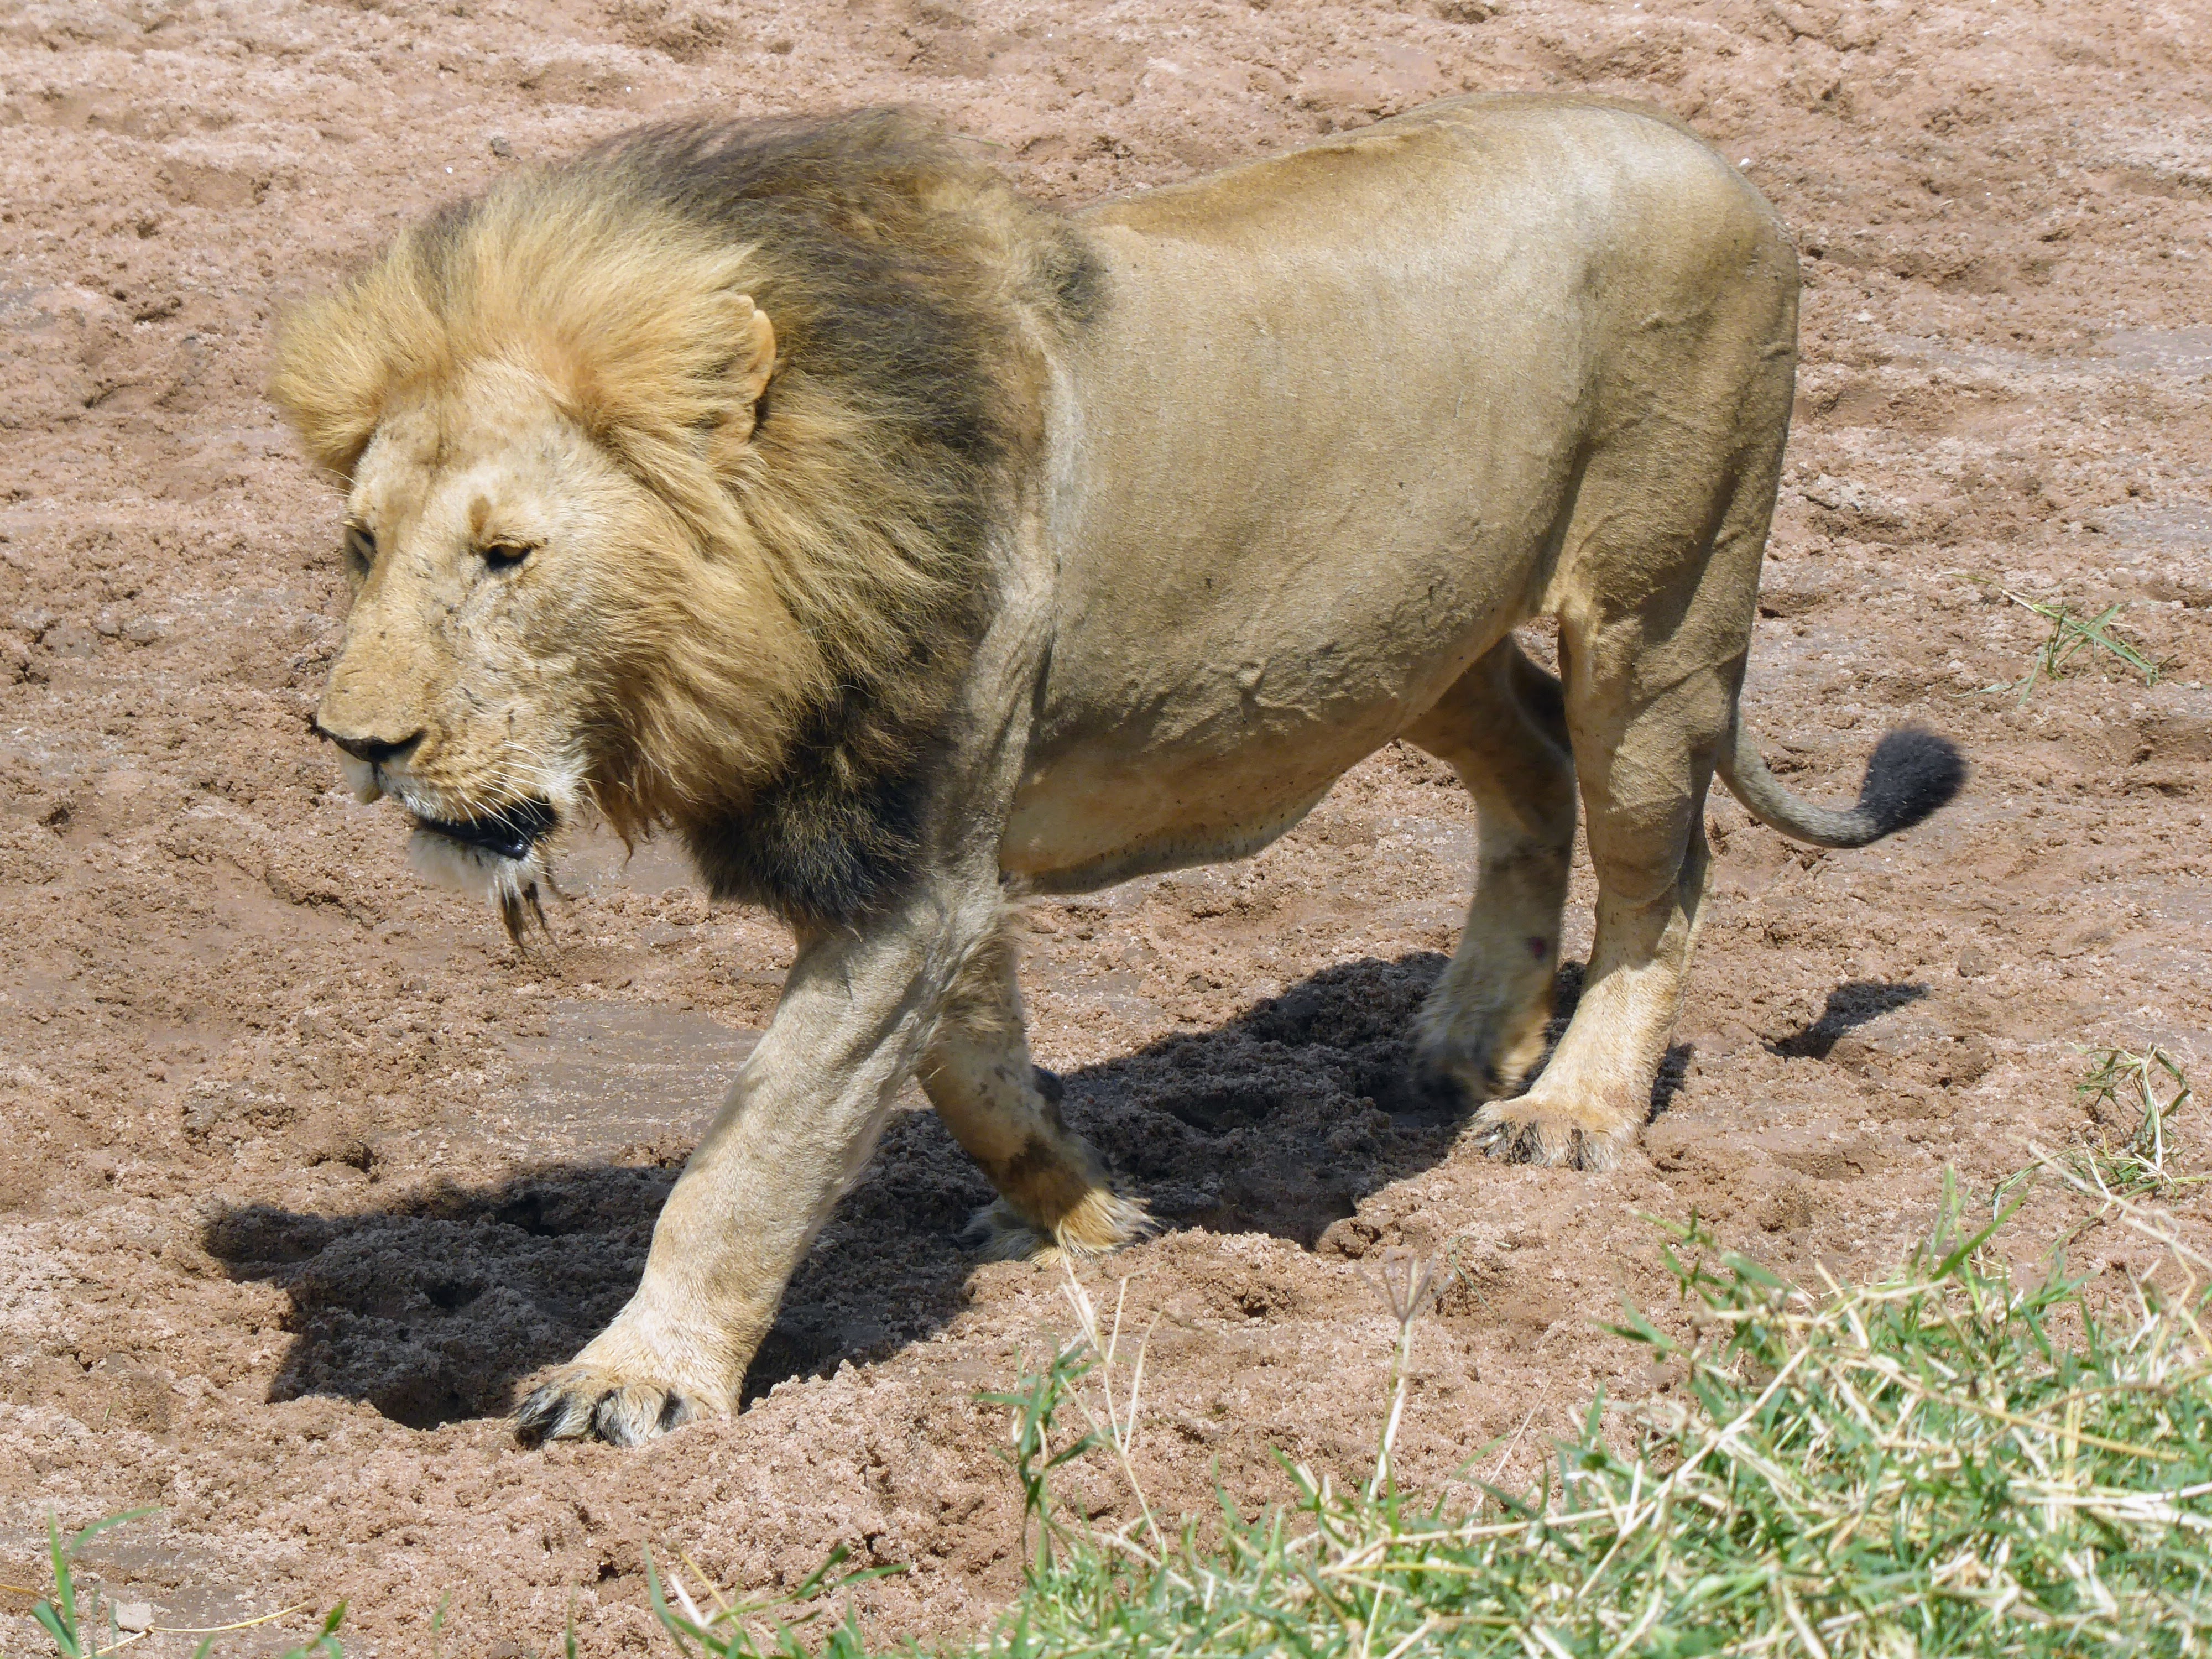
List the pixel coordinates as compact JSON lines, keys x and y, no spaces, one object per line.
{"x":671,"y":474}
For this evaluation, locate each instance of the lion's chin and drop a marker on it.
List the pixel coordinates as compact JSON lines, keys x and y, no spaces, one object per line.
{"x":361,"y":777}
{"x":509,"y":883}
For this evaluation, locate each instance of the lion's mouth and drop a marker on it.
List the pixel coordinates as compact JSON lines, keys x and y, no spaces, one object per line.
{"x":511,"y":832}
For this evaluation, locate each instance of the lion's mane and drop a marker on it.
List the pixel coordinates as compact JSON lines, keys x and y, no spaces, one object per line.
{"x":787,"y":738}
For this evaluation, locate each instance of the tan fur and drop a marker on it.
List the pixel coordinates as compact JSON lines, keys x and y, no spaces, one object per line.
{"x":1125,"y":539}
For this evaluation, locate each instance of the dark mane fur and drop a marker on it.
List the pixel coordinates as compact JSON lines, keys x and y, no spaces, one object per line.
{"x":888,"y":258}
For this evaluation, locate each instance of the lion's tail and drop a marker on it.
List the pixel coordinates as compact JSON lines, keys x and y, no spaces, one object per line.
{"x":1913,"y":773}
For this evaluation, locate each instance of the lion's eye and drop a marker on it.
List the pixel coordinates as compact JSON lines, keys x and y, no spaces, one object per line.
{"x":505,"y":556}
{"x":359,"y":548}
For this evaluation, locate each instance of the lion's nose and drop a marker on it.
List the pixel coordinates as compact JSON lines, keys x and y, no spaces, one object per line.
{"x":364,"y":746}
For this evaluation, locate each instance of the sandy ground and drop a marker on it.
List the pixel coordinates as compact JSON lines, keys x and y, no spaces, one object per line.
{"x":302,"y":1168}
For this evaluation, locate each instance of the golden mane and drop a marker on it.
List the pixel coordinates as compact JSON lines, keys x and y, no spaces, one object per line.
{"x":909,"y":288}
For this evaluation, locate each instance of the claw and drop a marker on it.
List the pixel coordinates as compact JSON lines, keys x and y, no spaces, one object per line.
{"x":1520,"y":1131}
{"x":581,"y":1404}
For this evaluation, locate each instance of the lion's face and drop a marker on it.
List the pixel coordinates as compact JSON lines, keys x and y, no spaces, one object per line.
{"x":490,"y":544}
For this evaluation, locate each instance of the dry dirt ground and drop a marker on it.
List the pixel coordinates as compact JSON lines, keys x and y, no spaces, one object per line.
{"x":303,"y":1170}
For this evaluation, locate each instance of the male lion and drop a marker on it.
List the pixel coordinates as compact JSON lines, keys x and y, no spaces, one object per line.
{"x":899,"y":545}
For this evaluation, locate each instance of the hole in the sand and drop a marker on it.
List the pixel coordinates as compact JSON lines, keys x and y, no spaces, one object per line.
{"x":528,"y":1213}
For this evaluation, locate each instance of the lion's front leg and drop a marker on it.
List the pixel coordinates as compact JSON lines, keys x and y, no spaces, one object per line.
{"x":797,"y":1127}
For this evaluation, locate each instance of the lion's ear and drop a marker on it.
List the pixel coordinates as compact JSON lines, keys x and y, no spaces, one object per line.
{"x":743,"y":382}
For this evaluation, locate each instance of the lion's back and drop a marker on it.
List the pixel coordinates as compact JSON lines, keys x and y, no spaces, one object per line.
{"x":1287,"y":351}
{"x":1560,"y":164}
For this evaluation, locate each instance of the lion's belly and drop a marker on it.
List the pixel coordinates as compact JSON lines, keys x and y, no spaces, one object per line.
{"x":1166,"y":752}
{"x":1098,"y":814}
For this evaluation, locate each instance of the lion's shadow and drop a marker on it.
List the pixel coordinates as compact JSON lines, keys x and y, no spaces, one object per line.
{"x":1279,"y":1121}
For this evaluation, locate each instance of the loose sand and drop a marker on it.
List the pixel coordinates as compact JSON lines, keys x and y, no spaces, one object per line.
{"x":303,"y":1170}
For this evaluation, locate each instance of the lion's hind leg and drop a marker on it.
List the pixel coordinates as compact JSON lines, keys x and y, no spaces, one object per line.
{"x":1655,"y":612}
{"x":1501,"y":727}
{"x":1054,"y":1191}
{"x":1643,"y":763}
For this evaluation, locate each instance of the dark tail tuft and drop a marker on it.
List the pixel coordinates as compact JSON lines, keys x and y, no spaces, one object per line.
{"x":1913,"y":773}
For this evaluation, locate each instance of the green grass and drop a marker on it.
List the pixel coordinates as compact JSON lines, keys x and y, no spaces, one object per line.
{"x":2071,"y":637}
{"x":2120,"y":1084}
{"x":77,"y":1629}
{"x":1953,"y":1461}
{"x":2153,"y":1088}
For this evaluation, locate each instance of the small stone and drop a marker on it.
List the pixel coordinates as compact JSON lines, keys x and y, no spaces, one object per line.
{"x":501,"y":147}
{"x":136,"y":1617}
{"x":1974,"y":963}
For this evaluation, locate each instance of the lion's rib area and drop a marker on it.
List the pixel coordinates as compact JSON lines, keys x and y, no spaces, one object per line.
{"x":780,"y":710}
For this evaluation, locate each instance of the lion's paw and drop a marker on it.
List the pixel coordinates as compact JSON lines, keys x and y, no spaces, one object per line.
{"x":592,"y":1402}
{"x":1456,"y":1075}
{"x":1526,"y":1131}
{"x":1104,"y":1221}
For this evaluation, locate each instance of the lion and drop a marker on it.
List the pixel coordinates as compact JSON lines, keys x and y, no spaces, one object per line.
{"x":903,"y":547}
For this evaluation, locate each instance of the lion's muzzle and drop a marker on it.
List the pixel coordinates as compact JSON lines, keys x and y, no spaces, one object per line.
{"x":510,"y":832}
